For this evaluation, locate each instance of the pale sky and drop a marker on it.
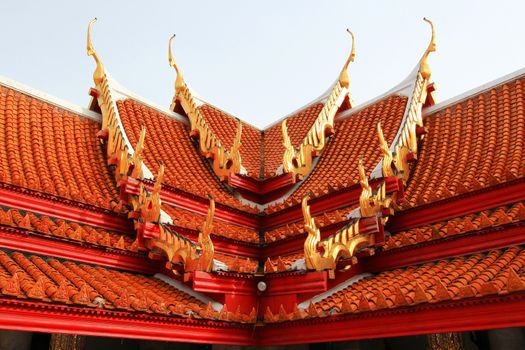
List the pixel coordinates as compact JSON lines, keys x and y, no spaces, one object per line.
{"x":258,"y":60}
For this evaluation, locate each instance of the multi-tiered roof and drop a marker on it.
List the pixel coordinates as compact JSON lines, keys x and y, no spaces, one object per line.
{"x":129,"y":219}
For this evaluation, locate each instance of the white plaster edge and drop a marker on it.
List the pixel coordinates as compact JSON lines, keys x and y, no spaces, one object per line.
{"x":165,"y":218}
{"x":319,"y":99}
{"x":124,"y":93}
{"x":304,"y":305}
{"x":69,"y":106}
{"x":475,"y":91}
{"x":184,"y":288}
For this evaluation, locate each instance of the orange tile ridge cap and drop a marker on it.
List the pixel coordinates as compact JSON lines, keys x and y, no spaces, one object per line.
{"x":56,"y":101}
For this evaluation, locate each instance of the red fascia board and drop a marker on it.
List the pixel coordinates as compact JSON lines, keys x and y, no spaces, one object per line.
{"x":22,"y":241}
{"x":328,"y":202}
{"x":261,"y":191}
{"x":457,"y":245}
{"x":49,"y":318}
{"x":224,"y":245}
{"x":503,"y":311}
{"x":309,"y":282}
{"x":200,"y":205}
{"x":221,"y":283}
{"x":64,"y":209}
{"x":296,"y":243}
{"x":467,"y":203}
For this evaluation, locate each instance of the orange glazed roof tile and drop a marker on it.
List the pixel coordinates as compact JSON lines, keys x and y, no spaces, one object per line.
{"x":298,"y":125}
{"x":168,"y":140}
{"x":193,"y":221}
{"x":50,"y":280}
{"x":355,"y":136}
{"x":66,"y":230}
{"x":496,"y":272}
{"x":469,"y":223}
{"x":237,"y":263}
{"x":470,"y":145}
{"x":224,"y":127}
{"x":49,"y":149}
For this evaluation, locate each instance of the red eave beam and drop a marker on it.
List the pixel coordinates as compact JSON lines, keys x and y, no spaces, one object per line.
{"x":261,"y":191}
{"x":502,"y":311}
{"x":467,"y":203}
{"x":18,"y":240}
{"x":64,"y":209}
{"x":48,"y":318}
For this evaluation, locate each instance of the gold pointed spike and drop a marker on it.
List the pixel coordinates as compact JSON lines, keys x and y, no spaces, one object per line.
{"x":179,"y":82}
{"x":344,"y":79}
{"x":424,"y":67}
{"x":205,"y":242}
{"x":385,"y":150}
{"x":98,"y":75}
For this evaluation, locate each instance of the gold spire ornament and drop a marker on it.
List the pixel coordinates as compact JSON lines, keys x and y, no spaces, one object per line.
{"x":299,"y":161}
{"x":205,"y":242}
{"x":225,"y":162}
{"x":99,"y":73}
{"x":386,"y":163}
{"x":344,"y":79}
{"x":425,"y":69}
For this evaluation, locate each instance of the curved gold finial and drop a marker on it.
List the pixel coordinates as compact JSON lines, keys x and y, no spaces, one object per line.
{"x":344,"y":79}
{"x":385,"y":150}
{"x":98,"y":75}
{"x":205,"y":242}
{"x":179,"y":82}
{"x":424,"y":67}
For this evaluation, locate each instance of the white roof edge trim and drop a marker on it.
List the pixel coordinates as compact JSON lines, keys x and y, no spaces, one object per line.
{"x":124,"y":93}
{"x":184,"y":288}
{"x":475,"y":91}
{"x":70,"y":106}
{"x":304,"y":305}
{"x":404,"y":88}
{"x":321,"y":98}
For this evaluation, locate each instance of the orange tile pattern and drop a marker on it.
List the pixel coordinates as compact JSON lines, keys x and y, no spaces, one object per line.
{"x":483,"y":274}
{"x":50,"y":280}
{"x":168,"y":140}
{"x":298,"y":125}
{"x":473,"y":144}
{"x":66,"y":230}
{"x":224,"y":127}
{"x":282,"y":263}
{"x":495,"y":272}
{"x":297,"y":228}
{"x":193,"y":221}
{"x":51,"y":150}
{"x":237,"y":263}
{"x":473,"y":222}
{"x":354,"y":136}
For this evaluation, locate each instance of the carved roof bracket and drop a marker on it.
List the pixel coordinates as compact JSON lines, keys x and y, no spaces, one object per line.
{"x":225,"y":162}
{"x":299,"y":161}
{"x":375,"y":206}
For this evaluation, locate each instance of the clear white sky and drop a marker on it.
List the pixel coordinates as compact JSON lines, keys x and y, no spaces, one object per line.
{"x":258,"y":60}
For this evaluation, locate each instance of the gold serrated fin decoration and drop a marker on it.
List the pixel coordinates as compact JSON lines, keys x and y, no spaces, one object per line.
{"x":386,"y":163}
{"x":299,"y":161}
{"x":225,"y":162}
{"x":407,"y":144}
{"x":205,"y":242}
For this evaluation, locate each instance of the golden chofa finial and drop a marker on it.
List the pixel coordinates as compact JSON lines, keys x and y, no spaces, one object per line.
{"x":98,"y":75}
{"x":344,"y":79}
{"x":179,"y":82}
{"x":424,"y":67}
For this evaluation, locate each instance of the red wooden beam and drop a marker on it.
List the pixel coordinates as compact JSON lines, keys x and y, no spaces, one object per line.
{"x":50,"y":318}
{"x":37,"y":202}
{"x":454,"y":316}
{"x":23,"y":241}
{"x":457,"y":245}
{"x":467,"y":203}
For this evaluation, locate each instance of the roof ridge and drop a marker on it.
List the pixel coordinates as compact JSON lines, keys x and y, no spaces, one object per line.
{"x":56,"y":101}
{"x":476,"y":91}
